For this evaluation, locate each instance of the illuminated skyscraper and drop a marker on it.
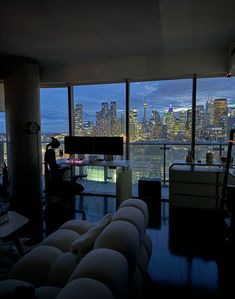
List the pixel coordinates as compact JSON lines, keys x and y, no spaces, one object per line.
{"x":113,"y":119}
{"x":170,"y":120}
{"x":154,"y":126}
{"x":145,"y":111}
{"x":134,"y":124}
{"x":209,"y":120}
{"x":1,"y":154}
{"x":78,"y":120}
{"x":88,"y":128}
{"x":103,"y":120}
{"x":200,"y":121}
{"x":220,"y":108}
{"x":232,"y":111}
{"x":122,"y":131}
{"x":182,"y":121}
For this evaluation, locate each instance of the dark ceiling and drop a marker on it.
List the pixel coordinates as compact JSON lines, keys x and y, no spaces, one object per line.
{"x":74,"y":32}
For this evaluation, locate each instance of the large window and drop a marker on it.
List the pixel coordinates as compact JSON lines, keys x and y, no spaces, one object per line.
{"x":215,"y":115}
{"x":3,"y":147}
{"x":160,"y":117}
{"x":54,"y":115}
{"x":160,"y":120}
{"x":99,"y":110}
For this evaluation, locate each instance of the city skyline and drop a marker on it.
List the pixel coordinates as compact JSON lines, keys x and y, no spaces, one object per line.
{"x":159,"y":95}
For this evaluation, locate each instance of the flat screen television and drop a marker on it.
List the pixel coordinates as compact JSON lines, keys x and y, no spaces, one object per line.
{"x":93,"y":145}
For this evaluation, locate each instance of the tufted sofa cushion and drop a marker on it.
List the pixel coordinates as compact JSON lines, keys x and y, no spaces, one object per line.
{"x":134,"y":216}
{"x":107,"y":266}
{"x":84,"y":260}
{"x":77,"y":225}
{"x":123,"y":237}
{"x":7,"y":285}
{"x":139,"y":204}
{"x":87,"y":288}
{"x":61,"y":239}
{"x":35,"y":265}
{"x":61,"y":269}
{"x":47,"y":292}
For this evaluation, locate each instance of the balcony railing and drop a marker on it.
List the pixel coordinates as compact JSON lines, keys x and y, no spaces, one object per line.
{"x":153,"y":159}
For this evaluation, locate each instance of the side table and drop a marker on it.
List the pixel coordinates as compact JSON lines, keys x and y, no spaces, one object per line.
{"x":9,"y":229}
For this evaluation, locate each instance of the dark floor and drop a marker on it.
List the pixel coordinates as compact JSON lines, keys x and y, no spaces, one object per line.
{"x":191,"y":257}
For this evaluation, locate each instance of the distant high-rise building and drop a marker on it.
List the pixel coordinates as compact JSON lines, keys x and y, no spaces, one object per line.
{"x":145,"y":116}
{"x":200,"y":121}
{"x":232,"y":111}
{"x":220,"y":108}
{"x":209,"y":113}
{"x":154,"y":125}
{"x":103,"y":120}
{"x":78,"y":120}
{"x":182,"y":121}
{"x":1,"y":153}
{"x":122,"y":125}
{"x":133,"y":124}
{"x":189,"y":119}
{"x":145,"y":110}
{"x":88,"y":128}
{"x":113,"y":119}
{"x":170,"y":120}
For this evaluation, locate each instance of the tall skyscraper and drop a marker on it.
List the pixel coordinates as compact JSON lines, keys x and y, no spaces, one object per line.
{"x":145,"y":110}
{"x":220,"y":108}
{"x":103,"y":120}
{"x":113,"y":119}
{"x":1,"y":153}
{"x":170,"y":120}
{"x":134,"y":124}
{"x":78,"y":120}
{"x":182,"y":121}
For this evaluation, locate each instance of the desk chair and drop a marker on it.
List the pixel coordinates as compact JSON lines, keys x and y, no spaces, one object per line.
{"x":60,"y":193}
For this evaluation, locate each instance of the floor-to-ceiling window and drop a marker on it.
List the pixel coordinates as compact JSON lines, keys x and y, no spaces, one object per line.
{"x":54,"y":116}
{"x":160,"y":125}
{"x":215,"y":115}
{"x":3,"y":145}
{"x":99,"y":110}
{"x":160,"y":120}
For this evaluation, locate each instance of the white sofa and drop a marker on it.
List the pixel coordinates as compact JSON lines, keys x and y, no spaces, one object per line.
{"x":84,"y":260}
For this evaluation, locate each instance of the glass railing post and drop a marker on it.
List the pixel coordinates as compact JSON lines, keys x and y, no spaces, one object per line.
{"x":164,"y":148}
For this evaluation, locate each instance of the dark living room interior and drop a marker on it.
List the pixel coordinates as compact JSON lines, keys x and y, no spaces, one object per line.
{"x":139,"y":98}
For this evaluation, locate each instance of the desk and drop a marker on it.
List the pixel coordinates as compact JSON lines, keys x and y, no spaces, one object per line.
{"x":123,"y":179}
{"x":124,"y":164}
{"x":197,"y":185}
{"x":9,"y":229}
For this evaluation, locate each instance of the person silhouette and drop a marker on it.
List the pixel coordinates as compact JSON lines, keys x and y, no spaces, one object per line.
{"x":60,"y":194}
{"x":54,"y":174}
{"x":5,"y":181}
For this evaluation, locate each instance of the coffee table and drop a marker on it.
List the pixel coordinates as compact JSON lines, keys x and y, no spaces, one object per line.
{"x":9,"y":229}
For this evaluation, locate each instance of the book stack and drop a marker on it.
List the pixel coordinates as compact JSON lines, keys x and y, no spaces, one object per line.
{"x":4,"y":207}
